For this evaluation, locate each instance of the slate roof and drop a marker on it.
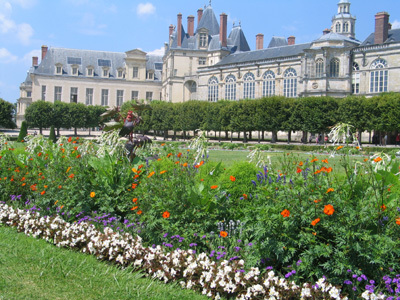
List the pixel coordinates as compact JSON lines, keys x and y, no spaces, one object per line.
{"x":333,"y":36}
{"x":237,"y":41}
{"x":393,"y":36}
{"x":264,"y":54}
{"x":277,"y":41}
{"x":85,"y":58}
{"x":209,"y":21}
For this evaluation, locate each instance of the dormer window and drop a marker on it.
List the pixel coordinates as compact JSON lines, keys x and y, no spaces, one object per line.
{"x":150,"y":75}
{"x":59,"y":69}
{"x":203,"y":40}
{"x":90,"y":71}
{"x":106,"y":72}
{"x":74,"y":70}
{"x":120,"y":73}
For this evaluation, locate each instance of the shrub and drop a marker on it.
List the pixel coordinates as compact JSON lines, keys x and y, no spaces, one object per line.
{"x":23,"y":132}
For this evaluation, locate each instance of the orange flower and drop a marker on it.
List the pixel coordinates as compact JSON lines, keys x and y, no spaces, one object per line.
{"x":177,"y":162}
{"x":202,"y":179}
{"x":163,"y":144}
{"x":199,"y":164}
{"x":43,"y":192}
{"x":185,"y":165}
{"x":140,"y":166}
{"x":329,"y":170}
{"x":59,"y":186}
{"x":136,"y":176}
{"x":378,"y":159}
{"x":45,"y":186}
{"x":383,"y":207}
{"x":24,"y":184}
{"x":69,"y":139}
{"x":162,"y":172}
{"x":169,"y":154}
{"x":135,"y":207}
{"x":33,"y":187}
{"x":314,"y":233}
{"x":330,"y":190}
{"x":313,"y":223}
{"x":139,"y":212}
{"x":329,"y":210}
{"x":338,"y":148}
{"x":298,"y":170}
{"x":398,"y":221}
{"x":285,"y":213}
{"x":55,"y":203}
{"x":134,"y":185}
{"x":365,"y":159}
{"x":151,"y":174}
{"x":78,"y":156}
{"x":300,"y":163}
{"x":244,"y":196}
{"x":69,"y":168}
{"x":213,"y":187}
{"x":61,"y":207}
{"x":317,"y":201}
{"x":179,"y":154}
{"x":92,"y":194}
{"x":325,"y":160}
{"x":165,"y":214}
{"x":233,"y":178}
{"x":40,"y":154}
{"x":71,"y":176}
{"x":314,"y":160}
{"x":223,"y":234}
{"x":134,"y":200}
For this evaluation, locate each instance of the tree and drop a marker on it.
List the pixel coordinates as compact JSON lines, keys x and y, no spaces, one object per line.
{"x":7,"y":111}
{"x":78,"y":113}
{"x":61,"y":117}
{"x":23,"y":131}
{"x":39,"y":114}
{"x":52,"y":136}
{"x":93,"y":116}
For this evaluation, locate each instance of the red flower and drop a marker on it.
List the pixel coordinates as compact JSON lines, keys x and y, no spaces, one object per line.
{"x":223,"y":234}
{"x":329,"y":210}
{"x":213,"y":187}
{"x":165,"y":214}
{"x":298,"y":170}
{"x":285,"y":213}
{"x":244,"y":196}
{"x":313,"y":223}
{"x":233,"y":178}
{"x":179,"y":154}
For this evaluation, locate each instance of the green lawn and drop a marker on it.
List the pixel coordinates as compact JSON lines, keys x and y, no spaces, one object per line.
{"x":36,"y":270}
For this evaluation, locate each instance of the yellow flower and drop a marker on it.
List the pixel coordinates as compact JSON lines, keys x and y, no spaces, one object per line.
{"x":92,"y":194}
{"x":69,"y":168}
{"x":134,"y":170}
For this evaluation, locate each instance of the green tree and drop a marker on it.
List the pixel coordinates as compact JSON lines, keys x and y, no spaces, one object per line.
{"x":78,"y":113}
{"x":23,"y":131}
{"x":39,"y":114}
{"x":93,"y":116}
{"x":61,"y":118}
{"x":7,"y":112}
{"x":162,"y":116}
{"x":52,"y":136}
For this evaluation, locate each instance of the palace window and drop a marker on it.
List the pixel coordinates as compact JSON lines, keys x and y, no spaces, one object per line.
{"x":75,"y":70}
{"x":230,"y":87}
{"x":203,"y":40}
{"x":249,"y":86}
{"x":89,"y":96}
{"x":355,"y":79}
{"x":43,"y":92}
{"x":346,"y":27}
{"x":120,"y":97}
{"x":319,"y":68}
{"x":104,"y":97}
{"x":74,"y":95}
{"x":213,"y":89}
{"x":379,"y":76}
{"x":106,"y":72}
{"x":135,"y":72}
{"x":202,"y":61}
{"x":290,"y":83}
{"x":334,"y":68}
{"x":89,"y":72}
{"x":149,"y":96}
{"x":268,"y":84}
{"x":338,"y":27}
{"x":59,"y":69}
{"x":135,"y":95}
{"x":57,"y":93}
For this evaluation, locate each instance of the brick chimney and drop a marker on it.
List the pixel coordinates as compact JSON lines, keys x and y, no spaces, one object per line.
{"x":190,"y":25}
{"x":326,"y":31}
{"x":35,"y":61}
{"x":199,"y":15}
{"x":259,"y":41}
{"x":381,"y":27}
{"x":171,"y":29}
{"x":291,"y":40}
{"x":179,"y":37}
{"x":223,"y":29}
{"x":44,"y":51}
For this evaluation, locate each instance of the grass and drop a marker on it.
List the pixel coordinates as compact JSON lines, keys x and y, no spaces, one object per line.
{"x":34,"y":269}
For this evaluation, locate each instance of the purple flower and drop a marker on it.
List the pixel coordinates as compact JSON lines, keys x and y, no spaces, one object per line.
{"x":165,"y":235}
{"x":299,"y":262}
{"x":348,"y":282}
{"x":193,"y":245}
{"x":237,"y":249}
{"x":269,"y":268}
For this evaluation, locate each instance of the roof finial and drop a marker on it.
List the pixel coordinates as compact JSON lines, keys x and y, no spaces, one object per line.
{"x":210,"y":3}
{"x":233,"y":24}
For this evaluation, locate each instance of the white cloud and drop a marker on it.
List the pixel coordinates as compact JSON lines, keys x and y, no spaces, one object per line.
{"x":6,"y":56}
{"x":23,"y":31}
{"x":158,"y":52}
{"x":90,"y":27}
{"x":27,"y":59}
{"x":145,"y":9}
{"x":396,"y":24}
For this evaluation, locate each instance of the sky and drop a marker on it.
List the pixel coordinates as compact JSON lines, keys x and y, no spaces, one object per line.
{"x":123,"y":25}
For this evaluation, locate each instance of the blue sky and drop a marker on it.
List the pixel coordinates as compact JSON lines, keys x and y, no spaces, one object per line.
{"x":122,"y":25}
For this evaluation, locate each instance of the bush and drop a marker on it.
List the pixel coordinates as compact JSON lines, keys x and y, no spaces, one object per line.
{"x":52,"y":136}
{"x":23,"y":132}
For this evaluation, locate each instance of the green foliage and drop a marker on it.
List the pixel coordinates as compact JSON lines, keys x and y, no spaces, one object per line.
{"x":7,"y":112}
{"x":23,"y":132}
{"x":39,"y":114}
{"x":52,"y":136}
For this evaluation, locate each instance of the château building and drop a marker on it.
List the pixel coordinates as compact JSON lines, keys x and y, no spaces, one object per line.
{"x":204,"y":62}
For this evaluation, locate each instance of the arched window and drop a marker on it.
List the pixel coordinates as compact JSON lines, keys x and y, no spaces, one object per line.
{"x":338,"y":27}
{"x":319,"y":67}
{"x":268,"y":84}
{"x":290,"y":83}
{"x":334,"y":68}
{"x":213,"y":89}
{"x":346,"y":27}
{"x":355,"y":79}
{"x":249,"y":86}
{"x":230,"y":87}
{"x":379,"y":76}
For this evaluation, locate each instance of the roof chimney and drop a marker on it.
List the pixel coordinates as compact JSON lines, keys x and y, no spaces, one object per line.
{"x":326,"y":31}
{"x":190,"y":25}
{"x":44,"y":51}
{"x":199,"y":15}
{"x":381,"y":27}
{"x":291,"y":40}
{"x":35,"y":61}
{"x":179,"y":37}
{"x":259,"y":41}
{"x":223,"y":29}
{"x":171,"y":29}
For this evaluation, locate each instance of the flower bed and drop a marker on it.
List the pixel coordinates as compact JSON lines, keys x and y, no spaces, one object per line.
{"x":305,"y":221}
